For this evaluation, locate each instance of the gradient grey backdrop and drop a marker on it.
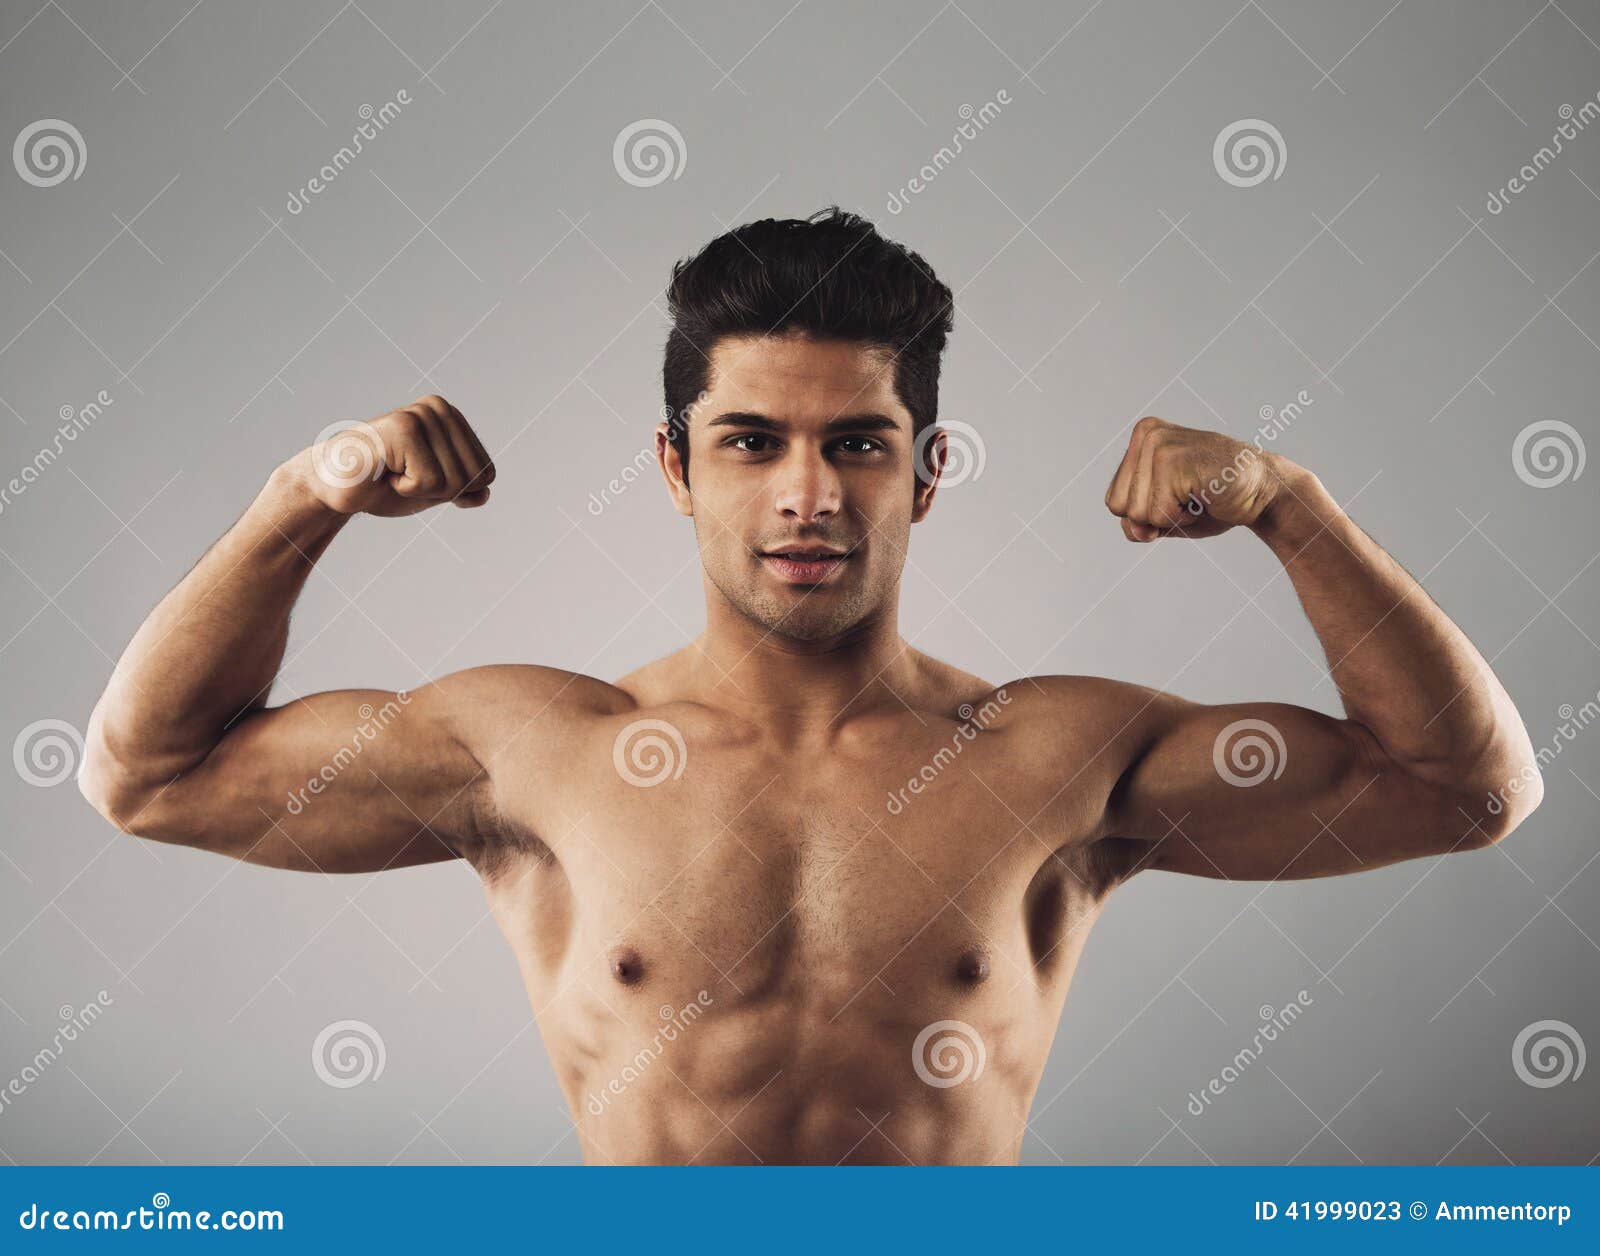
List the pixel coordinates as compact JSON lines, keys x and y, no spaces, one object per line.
{"x":485,"y":246}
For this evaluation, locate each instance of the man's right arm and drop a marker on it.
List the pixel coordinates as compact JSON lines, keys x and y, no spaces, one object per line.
{"x":182,"y":747}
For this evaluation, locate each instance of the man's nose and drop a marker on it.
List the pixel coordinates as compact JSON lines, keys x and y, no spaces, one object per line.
{"x":808,"y":487}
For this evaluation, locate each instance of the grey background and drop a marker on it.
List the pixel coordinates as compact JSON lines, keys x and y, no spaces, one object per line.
{"x":485,"y":246}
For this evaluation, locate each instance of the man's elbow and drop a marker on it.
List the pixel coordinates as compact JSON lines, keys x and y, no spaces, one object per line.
{"x":118,"y":790}
{"x":1495,"y":811}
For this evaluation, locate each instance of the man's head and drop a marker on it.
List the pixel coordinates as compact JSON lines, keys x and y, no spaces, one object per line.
{"x":802,"y":386}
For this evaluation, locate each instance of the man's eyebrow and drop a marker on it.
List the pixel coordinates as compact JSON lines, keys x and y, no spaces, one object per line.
{"x":868,"y":422}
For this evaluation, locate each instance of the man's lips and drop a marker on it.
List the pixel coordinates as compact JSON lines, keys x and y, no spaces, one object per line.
{"x":804,"y":564}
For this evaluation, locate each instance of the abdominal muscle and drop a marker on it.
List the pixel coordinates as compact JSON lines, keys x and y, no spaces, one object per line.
{"x":780,"y":1085}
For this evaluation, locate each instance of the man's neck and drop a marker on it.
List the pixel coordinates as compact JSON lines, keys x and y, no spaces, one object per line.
{"x":801,"y":688}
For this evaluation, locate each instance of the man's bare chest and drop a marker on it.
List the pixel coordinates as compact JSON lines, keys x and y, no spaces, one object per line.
{"x":917,"y":862}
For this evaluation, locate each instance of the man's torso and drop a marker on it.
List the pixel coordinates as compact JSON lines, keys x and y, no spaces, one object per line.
{"x":851,"y":948}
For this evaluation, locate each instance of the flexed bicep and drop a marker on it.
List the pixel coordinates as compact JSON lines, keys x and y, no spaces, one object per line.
{"x":353,"y":780}
{"x":1269,"y":791}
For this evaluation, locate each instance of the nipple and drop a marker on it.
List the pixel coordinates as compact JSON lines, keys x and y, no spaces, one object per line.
{"x":973,"y":966}
{"x":626,"y":965}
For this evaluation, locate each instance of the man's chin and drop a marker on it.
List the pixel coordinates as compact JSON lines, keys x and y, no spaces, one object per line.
{"x":807,"y":616}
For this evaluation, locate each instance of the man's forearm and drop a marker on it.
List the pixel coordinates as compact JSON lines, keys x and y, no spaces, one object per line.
{"x":213,"y":645}
{"x":1404,"y":670}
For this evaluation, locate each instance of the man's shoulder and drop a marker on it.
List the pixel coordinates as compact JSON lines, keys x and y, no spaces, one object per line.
{"x":1054,"y":713}
{"x":523,"y":693}
{"x":1040,"y":707}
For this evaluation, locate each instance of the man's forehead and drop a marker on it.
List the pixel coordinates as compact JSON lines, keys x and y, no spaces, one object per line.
{"x":800,"y":372}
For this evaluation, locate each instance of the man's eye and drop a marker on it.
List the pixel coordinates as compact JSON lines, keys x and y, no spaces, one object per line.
{"x":859,"y":445}
{"x":751,"y":442}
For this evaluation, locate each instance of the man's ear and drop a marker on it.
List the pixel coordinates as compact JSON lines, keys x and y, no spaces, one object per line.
{"x":928,"y":453}
{"x":673,"y":469}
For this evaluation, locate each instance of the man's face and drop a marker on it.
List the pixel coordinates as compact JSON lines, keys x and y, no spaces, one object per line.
{"x":803,"y":489}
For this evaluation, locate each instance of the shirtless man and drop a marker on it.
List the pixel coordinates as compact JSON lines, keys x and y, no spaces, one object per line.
{"x":798,"y":891}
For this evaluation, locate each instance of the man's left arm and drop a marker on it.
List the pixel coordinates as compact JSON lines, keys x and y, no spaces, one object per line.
{"x":1431,"y":755}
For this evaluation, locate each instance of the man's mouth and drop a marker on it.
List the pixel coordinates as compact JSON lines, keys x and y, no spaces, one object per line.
{"x":804,"y":564}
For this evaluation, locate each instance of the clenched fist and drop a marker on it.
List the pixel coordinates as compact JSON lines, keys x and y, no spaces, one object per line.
{"x":402,"y":463}
{"x":1178,"y":481}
